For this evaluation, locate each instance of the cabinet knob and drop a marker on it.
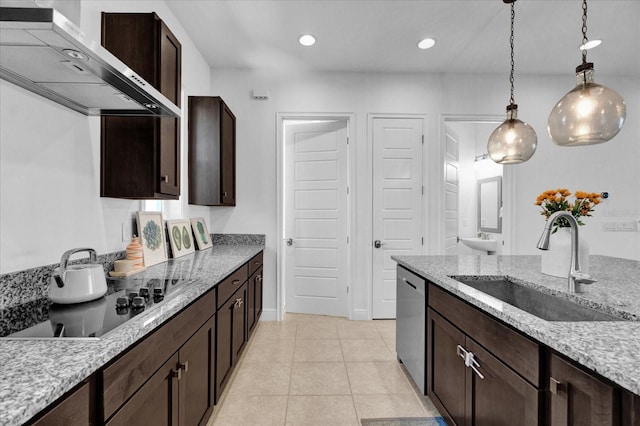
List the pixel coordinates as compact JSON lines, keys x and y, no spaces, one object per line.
{"x":165,"y":178}
{"x":555,"y":386}
{"x":259,"y":278}
{"x":224,"y":194}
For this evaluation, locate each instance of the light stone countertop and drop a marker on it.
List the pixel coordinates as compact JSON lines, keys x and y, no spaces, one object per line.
{"x":34,"y":373}
{"x":611,"y":349}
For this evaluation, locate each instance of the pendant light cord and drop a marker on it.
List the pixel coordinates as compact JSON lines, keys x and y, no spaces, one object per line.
{"x":513,"y":16}
{"x":584,"y":31}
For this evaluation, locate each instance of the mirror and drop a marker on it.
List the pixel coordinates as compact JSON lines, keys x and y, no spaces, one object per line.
{"x":490,"y":204}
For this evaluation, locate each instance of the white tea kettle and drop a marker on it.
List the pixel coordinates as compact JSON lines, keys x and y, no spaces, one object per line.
{"x":77,"y":283}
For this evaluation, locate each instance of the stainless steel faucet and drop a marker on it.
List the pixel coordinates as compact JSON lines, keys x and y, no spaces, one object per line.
{"x":483,"y":235}
{"x":576,"y":277}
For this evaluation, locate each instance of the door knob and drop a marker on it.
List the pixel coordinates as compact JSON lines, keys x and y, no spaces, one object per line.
{"x":289,"y":241}
{"x":378,"y":243}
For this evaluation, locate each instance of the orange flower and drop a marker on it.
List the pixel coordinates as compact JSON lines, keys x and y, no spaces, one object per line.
{"x":554,"y":200}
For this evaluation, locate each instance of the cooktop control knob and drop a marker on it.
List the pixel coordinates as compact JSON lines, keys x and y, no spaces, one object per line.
{"x":158,"y":294}
{"x":144,"y":292}
{"x":137,"y":303}
{"x":122,"y":305}
{"x":133,"y":295}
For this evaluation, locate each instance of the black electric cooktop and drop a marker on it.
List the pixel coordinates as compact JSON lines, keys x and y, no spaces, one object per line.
{"x":125,"y":299}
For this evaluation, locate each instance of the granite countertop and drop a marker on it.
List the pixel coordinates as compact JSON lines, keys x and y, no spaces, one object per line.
{"x":34,"y":373}
{"x":612,"y":349}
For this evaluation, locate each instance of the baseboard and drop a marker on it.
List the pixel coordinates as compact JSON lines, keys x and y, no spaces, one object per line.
{"x":269,"y":315}
{"x":360,"y":315}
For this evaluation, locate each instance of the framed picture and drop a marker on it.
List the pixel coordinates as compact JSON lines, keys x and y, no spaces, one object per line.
{"x":151,"y":234}
{"x":203,"y":239}
{"x":180,"y":237}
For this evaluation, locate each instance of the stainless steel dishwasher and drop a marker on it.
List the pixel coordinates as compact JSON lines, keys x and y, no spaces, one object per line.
{"x":411,"y":318}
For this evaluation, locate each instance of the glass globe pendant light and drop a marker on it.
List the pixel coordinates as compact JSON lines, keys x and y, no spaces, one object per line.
{"x":514,"y":141}
{"x":590,"y":113}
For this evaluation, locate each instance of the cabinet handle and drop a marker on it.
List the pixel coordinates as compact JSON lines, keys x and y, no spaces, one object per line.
{"x":256,"y":262}
{"x":259,"y":278}
{"x":177,"y":373}
{"x":469,"y":360}
{"x":184,"y":366}
{"x":554,"y":386}
{"x":224,"y":194}
{"x":235,"y":282}
{"x":165,"y":178}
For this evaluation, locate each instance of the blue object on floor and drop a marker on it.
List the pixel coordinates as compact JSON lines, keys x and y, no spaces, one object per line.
{"x":405,"y":421}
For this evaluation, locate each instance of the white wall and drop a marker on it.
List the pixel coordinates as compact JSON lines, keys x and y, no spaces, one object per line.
{"x":50,"y":163}
{"x":363,"y":93}
{"x":49,"y":156}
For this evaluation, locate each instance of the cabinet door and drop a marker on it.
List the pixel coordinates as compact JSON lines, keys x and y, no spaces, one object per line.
{"x":156,"y":403}
{"x":196,"y":384}
{"x":75,"y":409}
{"x":630,"y":409}
{"x":578,"y":398}
{"x":258,"y":295}
{"x":170,"y":77}
{"x":446,"y":371}
{"x":500,"y":387}
{"x":212,"y":140}
{"x":239,"y":327}
{"x":254,"y":299}
{"x":228,"y":156}
{"x":224,"y":348}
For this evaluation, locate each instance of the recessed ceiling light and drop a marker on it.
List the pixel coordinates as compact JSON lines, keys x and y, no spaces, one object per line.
{"x":426,"y":43}
{"x":590,"y":44}
{"x":307,"y":40}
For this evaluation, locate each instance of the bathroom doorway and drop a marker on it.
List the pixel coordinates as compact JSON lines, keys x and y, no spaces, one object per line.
{"x":466,"y":163}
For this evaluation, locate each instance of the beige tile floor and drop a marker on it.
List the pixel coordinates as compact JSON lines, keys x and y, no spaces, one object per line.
{"x":318,"y":370}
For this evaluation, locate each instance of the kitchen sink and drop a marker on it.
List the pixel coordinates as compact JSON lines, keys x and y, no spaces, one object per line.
{"x":542,"y":305}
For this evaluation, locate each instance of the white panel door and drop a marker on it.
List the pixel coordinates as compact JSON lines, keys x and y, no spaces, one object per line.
{"x":316,"y":218}
{"x":397,"y":204}
{"x":451,"y":201}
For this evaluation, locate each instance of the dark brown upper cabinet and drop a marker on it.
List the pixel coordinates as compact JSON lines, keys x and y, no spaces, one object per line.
{"x":212,"y":152}
{"x":140,"y":156}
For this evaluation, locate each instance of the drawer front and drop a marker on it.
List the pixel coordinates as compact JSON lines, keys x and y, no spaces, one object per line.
{"x":255,"y":263}
{"x":128,"y":373}
{"x":74,"y":409}
{"x":231,"y":284}
{"x":517,"y":351}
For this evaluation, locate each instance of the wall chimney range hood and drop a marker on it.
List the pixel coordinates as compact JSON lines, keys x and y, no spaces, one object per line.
{"x":44,"y":52}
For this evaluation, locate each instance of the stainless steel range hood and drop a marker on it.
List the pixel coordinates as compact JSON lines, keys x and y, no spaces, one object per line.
{"x":44,"y":52}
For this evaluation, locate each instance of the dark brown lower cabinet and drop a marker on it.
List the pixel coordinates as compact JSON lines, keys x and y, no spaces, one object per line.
{"x":471,"y":396}
{"x":518,"y":399}
{"x":254,"y":299}
{"x":180,"y":392}
{"x":76,"y":408}
{"x":156,"y":403}
{"x":231,"y":336}
{"x":630,"y":409}
{"x":446,"y":371}
{"x":578,"y":398}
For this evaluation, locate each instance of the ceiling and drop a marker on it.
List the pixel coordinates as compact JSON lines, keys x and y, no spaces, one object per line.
{"x":381,"y":35}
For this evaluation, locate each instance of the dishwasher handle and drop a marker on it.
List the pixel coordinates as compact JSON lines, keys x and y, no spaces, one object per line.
{"x":419,"y":290}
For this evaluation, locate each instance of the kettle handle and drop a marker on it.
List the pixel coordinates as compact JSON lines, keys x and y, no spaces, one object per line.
{"x":59,"y":275}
